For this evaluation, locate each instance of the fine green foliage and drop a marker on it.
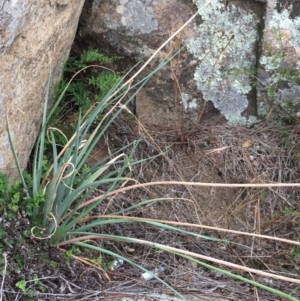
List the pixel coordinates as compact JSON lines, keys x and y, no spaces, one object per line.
{"x":87,"y":89}
{"x":21,"y":285}
{"x":13,"y":199}
{"x":80,"y":95}
{"x":30,"y":287}
{"x":103,"y":82}
{"x":69,"y":253}
{"x":92,"y":56}
{"x":93,"y":86}
{"x":9,"y":197}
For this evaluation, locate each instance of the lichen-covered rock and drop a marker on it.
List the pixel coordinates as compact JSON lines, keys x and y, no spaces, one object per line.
{"x":279,"y":65}
{"x":137,"y":28}
{"x":34,"y":36}
{"x":220,"y":63}
{"x":215,"y":66}
{"x":226,"y":50}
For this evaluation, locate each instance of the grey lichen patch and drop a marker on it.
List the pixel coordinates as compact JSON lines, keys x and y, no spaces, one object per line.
{"x":283,"y":33}
{"x":290,"y":99}
{"x":280,"y":62}
{"x":120,"y":9}
{"x":224,"y":49}
{"x":270,"y":62}
{"x":12,"y":15}
{"x":138,"y":15}
{"x":188,"y":103}
{"x":282,"y":21}
{"x":292,"y":93}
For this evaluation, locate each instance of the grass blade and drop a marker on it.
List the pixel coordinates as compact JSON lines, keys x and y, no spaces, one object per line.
{"x":16,"y":158}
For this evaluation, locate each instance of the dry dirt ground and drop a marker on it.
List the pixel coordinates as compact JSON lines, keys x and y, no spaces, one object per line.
{"x":220,"y":154}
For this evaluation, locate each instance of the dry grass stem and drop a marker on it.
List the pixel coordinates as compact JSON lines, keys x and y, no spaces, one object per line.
{"x":184,"y":252}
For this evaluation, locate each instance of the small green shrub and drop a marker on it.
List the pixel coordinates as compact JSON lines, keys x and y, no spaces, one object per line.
{"x":30,"y":291}
{"x":86,"y":90}
{"x":13,"y":198}
{"x":92,"y":85}
{"x":21,"y":285}
{"x":103,"y":82}
{"x":9,"y":196}
{"x":69,"y":253}
{"x":92,"y":56}
{"x":80,"y":94}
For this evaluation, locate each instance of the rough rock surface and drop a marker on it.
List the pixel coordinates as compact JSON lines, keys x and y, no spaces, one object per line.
{"x":34,"y":35}
{"x":221,"y":43}
{"x":279,"y":64}
{"x":227,"y":61}
{"x":222,"y":49}
{"x":226,"y":49}
{"x":138,"y":28}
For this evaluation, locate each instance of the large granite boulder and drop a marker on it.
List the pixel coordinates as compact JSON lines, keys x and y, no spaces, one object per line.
{"x":35,"y":37}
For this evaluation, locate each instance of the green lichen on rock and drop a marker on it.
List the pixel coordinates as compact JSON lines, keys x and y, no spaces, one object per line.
{"x":225,"y":50}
